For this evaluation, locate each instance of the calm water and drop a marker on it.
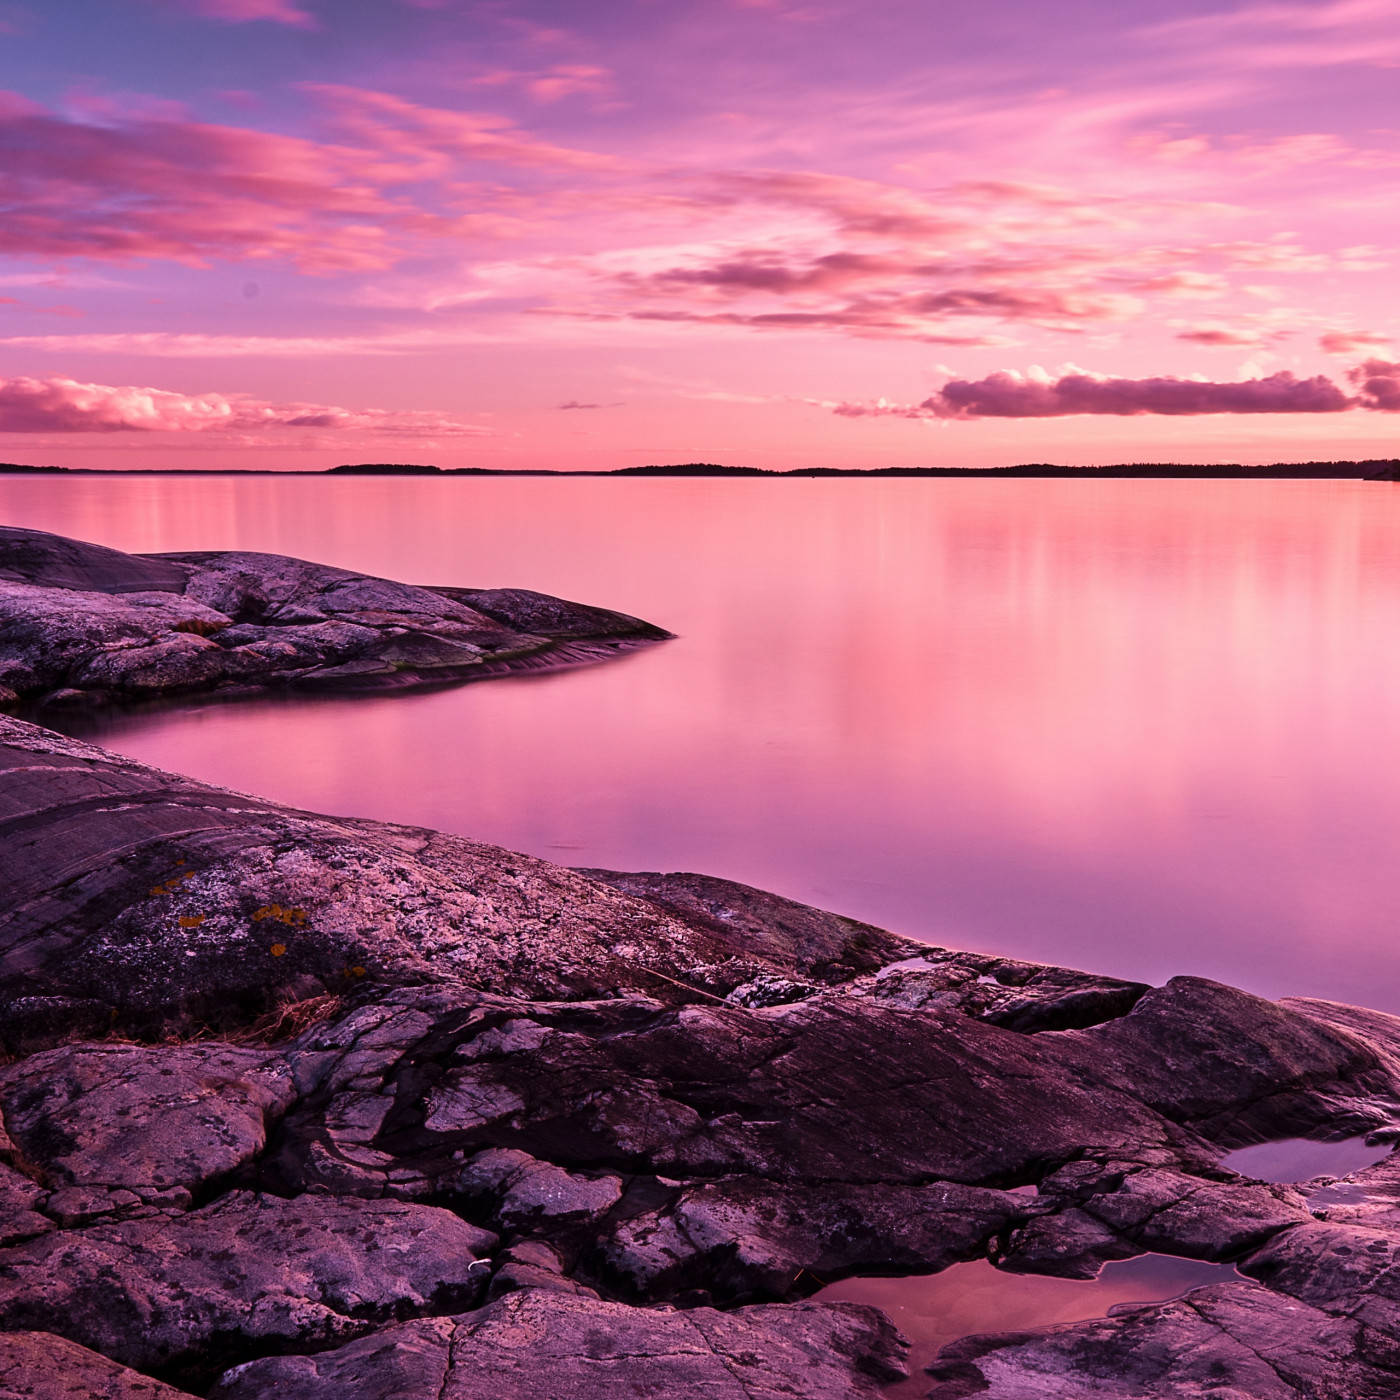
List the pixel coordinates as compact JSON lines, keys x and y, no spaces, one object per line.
{"x":1301,"y":1159}
{"x":975,"y":1297}
{"x":1142,"y":727}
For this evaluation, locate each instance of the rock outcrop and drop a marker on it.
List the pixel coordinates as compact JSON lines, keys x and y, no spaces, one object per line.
{"x":300,"y":1106}
{"x":82,"y":625}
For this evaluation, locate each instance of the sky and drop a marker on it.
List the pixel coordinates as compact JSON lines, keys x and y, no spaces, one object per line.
{"x":285,"y":234}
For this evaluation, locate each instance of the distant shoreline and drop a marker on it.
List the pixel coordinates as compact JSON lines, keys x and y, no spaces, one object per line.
{"x":1381,"y":469}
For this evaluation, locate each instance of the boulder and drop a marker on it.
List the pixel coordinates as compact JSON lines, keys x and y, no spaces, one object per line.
{"x":178,"y":1291}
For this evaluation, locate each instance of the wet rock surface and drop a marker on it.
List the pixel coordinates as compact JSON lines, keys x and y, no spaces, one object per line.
{"x":84,"y":625}
{"x":299,"y":1106}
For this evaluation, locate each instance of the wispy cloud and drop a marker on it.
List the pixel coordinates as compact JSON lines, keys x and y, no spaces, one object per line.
{"x":246,"y":11}
{"x":161,"y":187}
{"x":61,"y":405}
{"x":1352,"y":342}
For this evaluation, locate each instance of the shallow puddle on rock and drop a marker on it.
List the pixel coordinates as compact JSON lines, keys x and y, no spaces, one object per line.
{"x":1301,"y":1159}
{"x":936,"y":1309}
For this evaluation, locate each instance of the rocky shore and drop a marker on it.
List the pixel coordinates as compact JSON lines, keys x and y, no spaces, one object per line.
{"x":297,"y":1106}
{"x":83,"y":625}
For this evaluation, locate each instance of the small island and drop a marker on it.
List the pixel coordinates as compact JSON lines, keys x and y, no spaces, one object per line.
{"x":85,"y":625}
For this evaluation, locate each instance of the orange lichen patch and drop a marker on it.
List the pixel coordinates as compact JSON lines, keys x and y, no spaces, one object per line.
{"x":277,"y":949}
{"x":173,"y":883}
{"x":191,"y":920}
{"x":357,"y":972}
{"x":291,"y":916}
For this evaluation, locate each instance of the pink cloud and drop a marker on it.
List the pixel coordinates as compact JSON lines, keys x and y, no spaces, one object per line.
{"x":246,"y":11}
{"x":142,"y":186}
{"x":60,"y":405}
{"x":1377,"y":385}
{"x":382,"y":121}
{"x":552,"y":84}
{"x":1005,"y":395}
{"x":859,"y":206}
{"x":1350,"y":342}
{"x":187,"y":191}
{"x":1241,"y":337}
{"x":932,"y":317}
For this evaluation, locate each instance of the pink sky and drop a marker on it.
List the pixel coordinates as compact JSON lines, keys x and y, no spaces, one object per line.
{"x":291,"y":233}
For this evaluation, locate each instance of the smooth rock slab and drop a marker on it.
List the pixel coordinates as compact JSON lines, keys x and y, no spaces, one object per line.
{"x":40,"y":1366}
{"x":546,"y":1345}
{"x":1227,"y":1342}
{"x":248,"y":1273}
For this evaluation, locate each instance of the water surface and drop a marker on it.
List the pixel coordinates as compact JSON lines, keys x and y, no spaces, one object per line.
{"x":1137,"y":726}
{"x":1292,"y":1160}
{"x":976,"y":1297}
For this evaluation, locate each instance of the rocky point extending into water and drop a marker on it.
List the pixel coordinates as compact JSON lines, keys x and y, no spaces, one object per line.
{"x":301,"y":1107}
{"x":81,"y":624}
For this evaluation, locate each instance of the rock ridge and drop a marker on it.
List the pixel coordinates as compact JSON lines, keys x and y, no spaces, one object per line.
{"x":306,"y":1106}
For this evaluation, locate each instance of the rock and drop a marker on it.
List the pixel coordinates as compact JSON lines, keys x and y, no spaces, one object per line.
{"x":1069,"y":1244}
{"x":1200,"y":1218}
{"x":753,"y":1240}
{"x":771,"y":931}
{"x":1182,"y":1051}
{"x":1002,"y":991}
{"x":116,"y":1116}
{"x":546,"y":1345}
{"x":768,"y":990}
{"x":40,"y":1366}
{"x":649,"y":1089}
{"x":1339,"y":1268}
{"x":84,"y":625}
{"x":139,"y":901}
{"x":1226,"y":1342}
{"x":525,"y":1192}
{"x":247,"y":1272}
{"x":20,"y":1198}
{"x":532,"y":1264}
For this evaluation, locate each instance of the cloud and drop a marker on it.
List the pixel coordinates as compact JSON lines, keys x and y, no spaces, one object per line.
{"x":60,"y":405}
{"x":245,"y":11}
{"x":1377,"y":385}
{"x":1038,"y":395}
{"x":1350,"y":342}
{"x":384,"y":122}
{"x":1224,"y":336}
{"x":574,"y":403}
{"x":551,"y":84}
{"x":160,"y":186}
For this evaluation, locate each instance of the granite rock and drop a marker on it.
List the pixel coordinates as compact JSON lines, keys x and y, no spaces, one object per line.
{"x":82,"y":625}
{"x":546,"y":1345}
{"x":40,"y":1366}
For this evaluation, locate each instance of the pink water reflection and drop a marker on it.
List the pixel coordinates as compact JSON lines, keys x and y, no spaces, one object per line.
{"x":975,"y":1298}
{"x":1145,"y":727}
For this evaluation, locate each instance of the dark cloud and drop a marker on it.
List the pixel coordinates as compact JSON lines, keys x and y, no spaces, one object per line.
{"x":1377,"y":385}
{"x":1003,"y":395}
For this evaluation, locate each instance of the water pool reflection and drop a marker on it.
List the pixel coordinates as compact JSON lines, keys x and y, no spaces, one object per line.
{"x":975,"y":1297}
